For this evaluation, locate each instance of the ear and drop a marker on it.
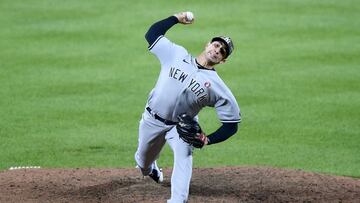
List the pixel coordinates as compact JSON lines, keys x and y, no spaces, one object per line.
{"x":222,"y":61}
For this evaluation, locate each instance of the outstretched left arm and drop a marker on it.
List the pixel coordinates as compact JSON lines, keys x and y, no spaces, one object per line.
{"x":223,"y":133}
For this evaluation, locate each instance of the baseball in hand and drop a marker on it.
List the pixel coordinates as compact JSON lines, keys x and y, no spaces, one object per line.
{"x":189,"y":16}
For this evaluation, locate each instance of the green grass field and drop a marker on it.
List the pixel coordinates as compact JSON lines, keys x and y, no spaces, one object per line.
{"x":75,"y":76}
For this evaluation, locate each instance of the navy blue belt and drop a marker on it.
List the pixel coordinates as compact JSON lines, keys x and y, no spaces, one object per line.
{"x":167,"y":122}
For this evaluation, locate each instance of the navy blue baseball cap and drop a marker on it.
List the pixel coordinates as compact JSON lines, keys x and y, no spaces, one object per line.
{"x":227,"y":41}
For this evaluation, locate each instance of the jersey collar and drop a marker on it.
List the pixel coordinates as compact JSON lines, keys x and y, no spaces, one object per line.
{"x":202,"y":67}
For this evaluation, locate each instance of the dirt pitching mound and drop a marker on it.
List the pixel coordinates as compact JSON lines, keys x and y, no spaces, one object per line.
{"x":228,"y":184}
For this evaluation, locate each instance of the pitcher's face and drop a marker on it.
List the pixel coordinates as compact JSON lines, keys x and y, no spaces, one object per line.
{"x":215,"y":52}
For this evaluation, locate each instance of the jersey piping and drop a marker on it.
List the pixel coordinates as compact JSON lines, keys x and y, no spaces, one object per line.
{"x":153,"y":44}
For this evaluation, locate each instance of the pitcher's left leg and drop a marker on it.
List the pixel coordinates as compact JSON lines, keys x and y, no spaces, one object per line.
{"x":182,"y":170}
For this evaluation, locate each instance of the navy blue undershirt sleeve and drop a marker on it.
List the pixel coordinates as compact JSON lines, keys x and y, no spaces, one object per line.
{"x":159,"y":28}
{"x":223,"y":133}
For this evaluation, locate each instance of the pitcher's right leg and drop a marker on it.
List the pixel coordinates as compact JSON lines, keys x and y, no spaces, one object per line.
{"x":150,"y":142}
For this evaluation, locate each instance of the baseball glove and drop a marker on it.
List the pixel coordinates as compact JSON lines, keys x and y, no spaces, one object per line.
{"x":190,"y":131}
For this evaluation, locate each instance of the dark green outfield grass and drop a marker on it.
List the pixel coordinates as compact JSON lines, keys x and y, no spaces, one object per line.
{"x":75,"y":76}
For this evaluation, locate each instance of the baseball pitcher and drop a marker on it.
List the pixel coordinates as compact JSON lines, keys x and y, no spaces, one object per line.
{"x":185,"y":85}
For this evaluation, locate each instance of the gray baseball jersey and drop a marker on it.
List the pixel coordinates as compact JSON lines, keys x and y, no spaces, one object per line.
{"x":183,"y":87}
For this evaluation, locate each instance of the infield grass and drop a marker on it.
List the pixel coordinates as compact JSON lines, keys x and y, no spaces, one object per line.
{"x":75,"y":77}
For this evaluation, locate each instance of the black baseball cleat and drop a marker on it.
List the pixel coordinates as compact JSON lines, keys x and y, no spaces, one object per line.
{"x":157,"y":175}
